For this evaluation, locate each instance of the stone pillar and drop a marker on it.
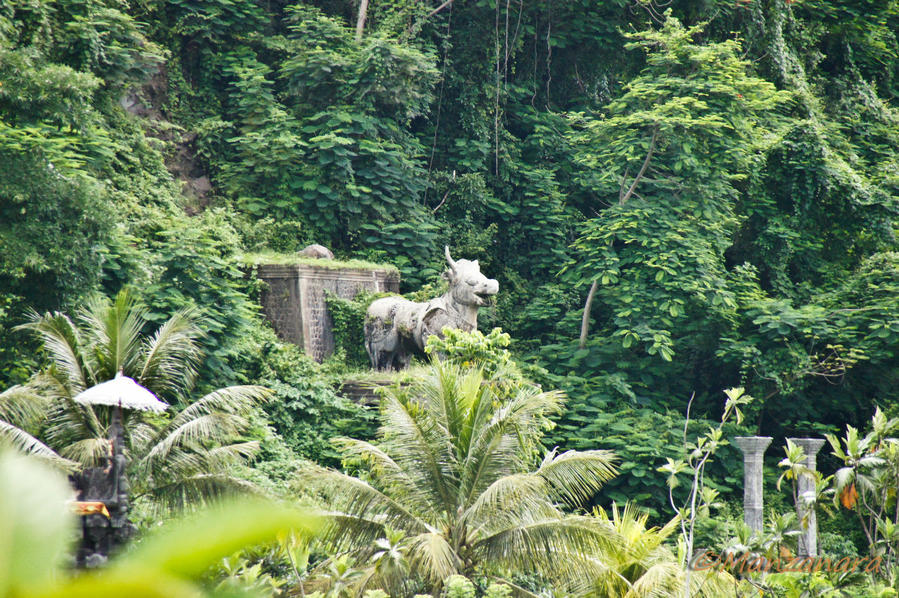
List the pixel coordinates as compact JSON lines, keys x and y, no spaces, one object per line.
{"x":753,"y":448}
{"x":808,"y":540}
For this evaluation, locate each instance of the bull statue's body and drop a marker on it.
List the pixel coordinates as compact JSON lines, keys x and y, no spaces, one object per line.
{"x":396,"y":328}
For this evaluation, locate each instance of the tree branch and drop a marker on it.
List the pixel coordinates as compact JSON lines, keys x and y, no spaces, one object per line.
{"x":585,"y":319}
{"x":439,"y":8}
{"x":623,"y":181}
{"x":652,"y":147}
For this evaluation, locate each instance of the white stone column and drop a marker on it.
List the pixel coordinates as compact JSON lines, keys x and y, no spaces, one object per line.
{"x":808,"y":540}
{"x":753,"y":448}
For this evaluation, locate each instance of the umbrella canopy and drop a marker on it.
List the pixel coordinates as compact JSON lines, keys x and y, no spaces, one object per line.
{"x":122,"y":392}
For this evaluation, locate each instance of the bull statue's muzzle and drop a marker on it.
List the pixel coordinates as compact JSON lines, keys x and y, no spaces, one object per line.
{"x":486,"y":291}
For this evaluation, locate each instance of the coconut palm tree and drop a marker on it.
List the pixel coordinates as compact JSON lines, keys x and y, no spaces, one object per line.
{"x":175,"y":459}
{"x":456,"y":470}
{"x":641,"y":566}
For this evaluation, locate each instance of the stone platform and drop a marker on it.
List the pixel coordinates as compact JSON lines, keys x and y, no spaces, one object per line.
{"x":366,"y":392}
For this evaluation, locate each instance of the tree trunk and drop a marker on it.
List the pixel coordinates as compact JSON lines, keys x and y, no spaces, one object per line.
{"x":585,"y":320}
{"x":360,"y":20}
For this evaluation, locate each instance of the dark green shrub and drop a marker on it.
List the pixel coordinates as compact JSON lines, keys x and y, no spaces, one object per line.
{"x":348,"y":320}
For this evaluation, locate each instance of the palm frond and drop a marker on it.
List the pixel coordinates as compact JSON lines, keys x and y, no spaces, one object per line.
{"x":178,"y":464}
{"x":113,"y":330}
{"x":448,"y":394}
{"x":28,"y":444}
{"x":187,"y":462}
{"x":432,"y":557}
{"x":601,"y":574}
{"x":358,"y":500}
{"x":22,"y":406}
{"x":63,"y":341}
{"x":213,"y":427}
{"x":69,"y":422}
{"x":420,"y":446}
{"x":496,"y":454}
{"x":142,"y":435}
{"x":551,"y":547}
{"x":389,"y":475}
{"x":660,"y":579}
{"x":344,"y":532}
{"x":198,"y":490}
{"x":171,"y":356}
{"x":711,"y":583}
{"x":500,"y":505}
{"x":503,"y":438}
{"x":89,"y":452}
{"x":630,"y":523}
{"x":226,"y":457}
{"x":576,"y":476}
{"x":231,"y":399}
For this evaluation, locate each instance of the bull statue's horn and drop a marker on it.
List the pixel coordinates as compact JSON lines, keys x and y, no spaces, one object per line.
{"x":449,"y":258}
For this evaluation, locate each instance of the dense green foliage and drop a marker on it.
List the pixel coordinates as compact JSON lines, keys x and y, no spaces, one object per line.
{"x":713,"y":182}
{"x":694,"y":175}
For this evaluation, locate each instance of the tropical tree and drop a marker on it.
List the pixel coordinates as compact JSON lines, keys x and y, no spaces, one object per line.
{"x":867,"y":482}
{"x":175,"y":459}
{"x":453,"y":471}
{"x":641,"y":565}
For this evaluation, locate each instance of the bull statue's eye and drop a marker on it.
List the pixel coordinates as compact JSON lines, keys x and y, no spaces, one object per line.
{"x":472,"y":282}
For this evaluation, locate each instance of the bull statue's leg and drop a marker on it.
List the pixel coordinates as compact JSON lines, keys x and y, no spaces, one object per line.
{"x":382,"y":354}
{"x":402,"y":359}
{"x":382,"y":339}
{"x":381,"y":346}
{"x":368,"y":329}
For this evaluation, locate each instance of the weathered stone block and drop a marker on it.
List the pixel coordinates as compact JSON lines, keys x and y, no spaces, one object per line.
{"x":294,"y":299}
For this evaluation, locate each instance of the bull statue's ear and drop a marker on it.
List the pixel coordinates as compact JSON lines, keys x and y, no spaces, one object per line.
{"x":448,"y":275}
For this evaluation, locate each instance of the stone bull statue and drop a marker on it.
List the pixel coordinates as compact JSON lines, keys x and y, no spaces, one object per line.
{"x":396,"y":328}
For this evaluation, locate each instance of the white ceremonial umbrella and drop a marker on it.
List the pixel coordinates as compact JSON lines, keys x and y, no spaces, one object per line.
{"x":122,"y":392}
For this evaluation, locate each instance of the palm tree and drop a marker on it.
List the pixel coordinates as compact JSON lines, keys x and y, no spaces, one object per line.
{"x":453,"y":471}
{"x":641,"y":566}
{"x":176,"y":459}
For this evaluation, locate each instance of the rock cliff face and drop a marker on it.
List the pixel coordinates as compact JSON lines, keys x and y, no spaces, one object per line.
{"x":146,"y":102}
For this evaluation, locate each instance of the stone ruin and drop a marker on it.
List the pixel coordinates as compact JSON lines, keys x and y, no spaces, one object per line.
{"x":753,"y":448}
{"x":293,"y":298}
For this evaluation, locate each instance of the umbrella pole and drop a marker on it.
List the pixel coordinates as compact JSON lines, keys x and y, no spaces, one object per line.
{"x":117,"y":432}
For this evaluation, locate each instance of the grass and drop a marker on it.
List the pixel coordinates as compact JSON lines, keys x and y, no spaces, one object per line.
{"x":416,"y":371}
{"x":292,"y":259}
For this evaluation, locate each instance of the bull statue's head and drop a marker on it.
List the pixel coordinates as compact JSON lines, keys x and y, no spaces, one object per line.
{"x":467,"y":285}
